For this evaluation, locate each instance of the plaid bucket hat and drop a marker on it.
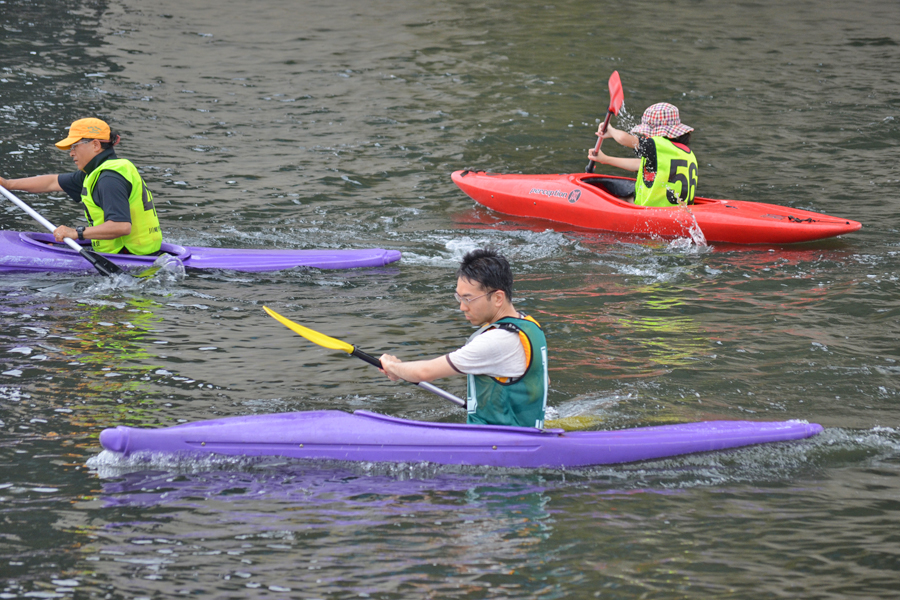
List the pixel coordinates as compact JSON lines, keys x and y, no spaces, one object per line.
{"x":661,"y":119}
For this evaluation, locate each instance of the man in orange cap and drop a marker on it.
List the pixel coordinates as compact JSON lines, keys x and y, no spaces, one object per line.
{"x":117,"y":203}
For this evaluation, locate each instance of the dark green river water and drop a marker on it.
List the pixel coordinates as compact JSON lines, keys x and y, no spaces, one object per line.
{"x":312,"y":124}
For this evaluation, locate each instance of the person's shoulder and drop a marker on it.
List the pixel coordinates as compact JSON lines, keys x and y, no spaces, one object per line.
{"x":493,"y":338}
{"x":515,"y":322}
{"x":646,"y":146}
{"x":78,"y":175}
{"x":499,"y":330}
{"x":110,"y":173}
{"x":109,"y":177}
{"x":71,"y":183}
{"x":112,"y":186}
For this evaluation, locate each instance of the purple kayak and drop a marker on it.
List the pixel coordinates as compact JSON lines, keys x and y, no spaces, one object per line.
{"x":38,"y":252}
{"x":371,"y":437}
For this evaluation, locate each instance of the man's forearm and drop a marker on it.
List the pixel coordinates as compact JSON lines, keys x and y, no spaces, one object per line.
{"x":40,"y":184}
{"x":423,"y":370}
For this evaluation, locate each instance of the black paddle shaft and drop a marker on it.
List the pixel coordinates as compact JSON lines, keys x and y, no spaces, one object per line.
{"x":366,"y":357}
{"x":103,"y":265}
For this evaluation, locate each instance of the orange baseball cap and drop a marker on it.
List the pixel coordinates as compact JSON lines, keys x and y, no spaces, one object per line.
{"x":92,"y":129}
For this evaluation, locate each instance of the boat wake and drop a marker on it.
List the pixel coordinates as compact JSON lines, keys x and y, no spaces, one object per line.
{"x":517,"y":245}
{"x":166,"y":271}
{"x":108,"y":465}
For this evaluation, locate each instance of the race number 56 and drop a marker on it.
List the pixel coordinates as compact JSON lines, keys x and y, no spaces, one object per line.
{"x":681,"y":173}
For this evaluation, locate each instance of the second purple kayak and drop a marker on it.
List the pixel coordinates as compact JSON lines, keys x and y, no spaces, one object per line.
{"x":371,"y":437}
{"x":38,"y":252}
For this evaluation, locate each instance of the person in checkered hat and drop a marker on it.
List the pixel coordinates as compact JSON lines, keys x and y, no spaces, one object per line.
{"x":666,"y":166}
{"x":118,"y":206}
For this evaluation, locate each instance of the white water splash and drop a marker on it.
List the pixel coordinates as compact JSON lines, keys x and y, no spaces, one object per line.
{"x":108,"y":464}
{"x":695,"y":241}
{"x":694,"y":231}
{"x":519,"y":246}
{"x":166,"y":269}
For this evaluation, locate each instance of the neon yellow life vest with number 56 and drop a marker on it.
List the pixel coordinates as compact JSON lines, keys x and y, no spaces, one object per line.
{"x":146,"y":235}
{"x":675,"y":179}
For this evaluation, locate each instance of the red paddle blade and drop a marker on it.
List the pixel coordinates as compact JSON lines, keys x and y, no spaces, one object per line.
{"x":616,"y":99}
{"x":616,"y":95}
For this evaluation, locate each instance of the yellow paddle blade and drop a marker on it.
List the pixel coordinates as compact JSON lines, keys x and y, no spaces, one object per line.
{"x":313,"y":336}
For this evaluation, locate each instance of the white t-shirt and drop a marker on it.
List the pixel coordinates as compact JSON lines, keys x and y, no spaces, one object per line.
{"x":496,"y":353}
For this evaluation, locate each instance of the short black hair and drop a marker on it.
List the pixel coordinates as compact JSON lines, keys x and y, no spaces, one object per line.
{"x":684,"y":138}
{"x":489,"y":269}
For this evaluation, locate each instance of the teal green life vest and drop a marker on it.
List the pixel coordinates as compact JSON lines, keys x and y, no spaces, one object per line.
{"x":146,"y":235}
{"x":521,"y":401}
{"x":675,"y":180}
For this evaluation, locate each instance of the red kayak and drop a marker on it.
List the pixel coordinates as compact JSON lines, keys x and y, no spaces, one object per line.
{"x":597,"y":202}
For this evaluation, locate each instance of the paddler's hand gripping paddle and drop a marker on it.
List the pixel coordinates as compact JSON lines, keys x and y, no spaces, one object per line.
{"x":334,"y":344}
{"x":103,"y":265}
{"x":616,"y":98}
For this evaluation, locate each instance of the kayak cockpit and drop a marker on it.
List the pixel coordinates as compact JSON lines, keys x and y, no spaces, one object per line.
{"x":622,"y":188}
{"x":47,"y":243}
{"x":614,"y":186}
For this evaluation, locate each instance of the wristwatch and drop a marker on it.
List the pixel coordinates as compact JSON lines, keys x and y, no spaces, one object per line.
{"x":80,"y":231}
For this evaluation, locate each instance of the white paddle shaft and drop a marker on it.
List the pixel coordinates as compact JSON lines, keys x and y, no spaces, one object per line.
{"x":37,"y":217}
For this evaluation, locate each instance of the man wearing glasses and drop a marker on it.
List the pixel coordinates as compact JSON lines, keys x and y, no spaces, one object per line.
{"x":118,"y":206}
{"x":505,"y":361}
